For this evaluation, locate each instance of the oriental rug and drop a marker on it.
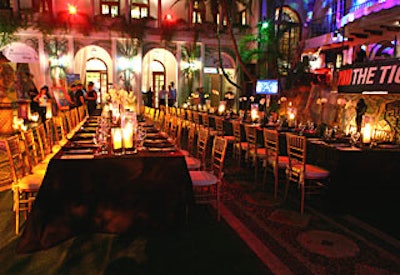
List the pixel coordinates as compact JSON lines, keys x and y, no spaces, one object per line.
{"x":317,"y":242}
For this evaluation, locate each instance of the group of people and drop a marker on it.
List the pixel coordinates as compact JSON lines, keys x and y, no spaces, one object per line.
{"x":163,"y":95}
{"x":77,"y":96}
{"x":167,"y":96}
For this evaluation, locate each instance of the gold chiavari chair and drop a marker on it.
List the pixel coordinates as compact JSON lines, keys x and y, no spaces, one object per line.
{"x":239,"y":146}
{"x":311,"y":179}
{"x":25,"y":186}
{"x":207,"y":184}
{"x":205,"y":119}
{"x":219,"y":127}
{"x":275,"y":162}
{"x":255,"y":152}
{"x":198,"y":161}
{"x":45,"y":148}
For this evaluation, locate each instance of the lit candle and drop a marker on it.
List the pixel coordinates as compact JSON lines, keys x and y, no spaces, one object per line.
{"x":254,"y":112}
{"x":367,"y":133}
{"x":291,"y":122}
{"x":127,"y":133}
{"x":116,"y":138}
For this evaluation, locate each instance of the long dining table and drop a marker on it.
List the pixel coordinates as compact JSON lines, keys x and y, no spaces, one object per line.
{"x":148,"y":192}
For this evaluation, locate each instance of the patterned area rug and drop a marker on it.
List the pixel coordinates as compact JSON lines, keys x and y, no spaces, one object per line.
{"x":312,"y":243}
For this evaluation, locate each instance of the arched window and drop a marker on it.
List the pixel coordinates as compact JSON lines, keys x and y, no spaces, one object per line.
{"x":289,"y":37}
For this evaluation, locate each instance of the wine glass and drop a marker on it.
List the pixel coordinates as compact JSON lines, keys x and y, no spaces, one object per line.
{"x":302,"y":127}
{"x":354,"y":138}
{"x":141,"y":136}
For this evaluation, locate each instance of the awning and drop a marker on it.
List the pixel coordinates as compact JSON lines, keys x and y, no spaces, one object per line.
{"x":18,"y":52}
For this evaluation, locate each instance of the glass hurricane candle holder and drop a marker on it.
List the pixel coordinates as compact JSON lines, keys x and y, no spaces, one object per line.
{"x":116,"y":140}
{"x":254,"y":112}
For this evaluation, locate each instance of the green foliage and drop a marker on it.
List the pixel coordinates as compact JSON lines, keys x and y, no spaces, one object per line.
{"x":55,"y":47}
{"x":128,"y":48}
{"x":8,"y":27}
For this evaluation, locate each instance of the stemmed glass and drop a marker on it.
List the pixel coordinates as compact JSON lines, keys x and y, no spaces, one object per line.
{"x":302,"y":127}
{"x":100,"y":139}
{"x":354,"y":138}
{"x":141,"y":136}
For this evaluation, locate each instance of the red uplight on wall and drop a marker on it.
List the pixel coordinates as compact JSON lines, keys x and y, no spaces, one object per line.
{"x":168,"y":17}
{"x":72,"y":9}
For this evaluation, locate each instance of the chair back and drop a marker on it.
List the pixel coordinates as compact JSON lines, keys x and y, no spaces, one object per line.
{"x":196,"y":118}
{"x":167,"y":123}
{"x":219,"y":125}
{"x":5,"y":169}
{"x":237,"y":131}
{"x":173,"y":127}
{"x":50,"y":131}
{"x":189,"y":115}
{"x":205,"y":120}
{"x":271,"y":142}
{"x":202,"y":141}
{"x":30,"y":151}
{"x":191,"y":137}
{"x":218,"y":156}
{"x":82,"y":112}
{"x":178,"y":135}
{"x":60,"y":132}
{"x":17,"y":164}
{"x":251,"y":137}
{"x":75,"y":117}
{"x":296,"y":150}
{"x":182,"y":113}
{"x":68,"y":121}
{"x":44,"y":143}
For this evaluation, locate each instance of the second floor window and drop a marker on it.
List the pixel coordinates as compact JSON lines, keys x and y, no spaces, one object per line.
{"x":223,"y":21}
{"x":199,"y":12}
{"x":242,"y":17}
{"x":109,"y":8}
{"x":139,"y":9}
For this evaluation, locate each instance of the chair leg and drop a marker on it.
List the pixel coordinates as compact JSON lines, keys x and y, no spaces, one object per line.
{"x":276,"y":181}
{"x":302,"y":199}
{"x":286,"y":188}
{"x":218,"y":203}
{"x":255,"y":163}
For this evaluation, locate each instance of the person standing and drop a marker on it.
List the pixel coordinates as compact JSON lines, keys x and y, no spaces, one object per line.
{"x":79,"y":95}
{"x":91,"y":98}
{"x":171,"y":94}
{"x":33,"y":105}
{"x":41,"y":99}
{"x":149,"y":97}
{"x":361,"y":109}
{"x":162,"y":95}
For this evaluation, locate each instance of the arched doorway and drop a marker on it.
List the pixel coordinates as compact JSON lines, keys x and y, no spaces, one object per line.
{"x":93,"y":63}
{"x":96,"y":72}
{"x":159,"y":68}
